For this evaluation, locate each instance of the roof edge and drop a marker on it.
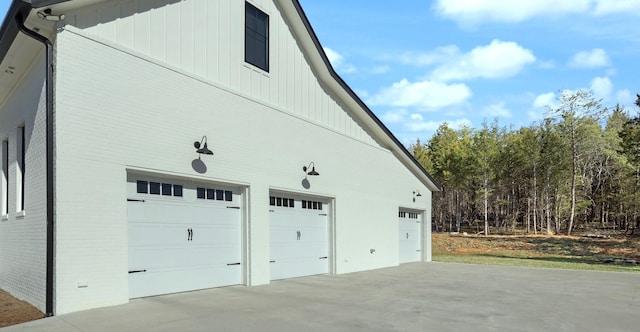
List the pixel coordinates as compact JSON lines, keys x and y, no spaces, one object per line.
{"x":354,"y":96}
{"x":9,"y":29}
{"x":45,"y":3}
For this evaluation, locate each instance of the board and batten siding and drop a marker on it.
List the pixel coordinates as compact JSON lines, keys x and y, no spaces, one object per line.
{"x":23,"y":233}
{"x":205,"y":38}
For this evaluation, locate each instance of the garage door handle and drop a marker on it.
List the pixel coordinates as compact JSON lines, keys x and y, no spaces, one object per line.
{"x":137,"y":271}
{"x":325,"y":257}
{"x":272,"y":261}
{"x":135,"y":200}
{"x":230,"y":264}
{"x":233,"y":207}
{"x":418,"y":250}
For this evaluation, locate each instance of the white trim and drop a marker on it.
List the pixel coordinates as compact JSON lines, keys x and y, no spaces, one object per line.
{"x":297,"y":192}
{"x":182,"y":176}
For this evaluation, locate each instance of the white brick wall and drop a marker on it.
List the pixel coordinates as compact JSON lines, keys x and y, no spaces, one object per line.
{"x":117,"y":111}
{"x":23,"y":238}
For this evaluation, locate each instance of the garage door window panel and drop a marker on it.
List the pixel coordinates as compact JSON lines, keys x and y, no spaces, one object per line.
{"x":166,"y":189}
{"x":177,"y":190}
{"x":142,"y":187}
{"x":154,"y":188}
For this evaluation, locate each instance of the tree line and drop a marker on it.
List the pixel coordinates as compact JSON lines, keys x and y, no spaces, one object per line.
{"x":577,"y":169}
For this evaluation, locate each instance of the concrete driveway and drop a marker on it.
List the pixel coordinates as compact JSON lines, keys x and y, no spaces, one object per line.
{"x":412,"y":297}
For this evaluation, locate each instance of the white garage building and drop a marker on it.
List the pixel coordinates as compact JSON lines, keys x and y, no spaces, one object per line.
{"x":160,"y":146}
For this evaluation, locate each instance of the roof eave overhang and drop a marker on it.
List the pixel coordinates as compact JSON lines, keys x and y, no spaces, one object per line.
{"x":9,"y":29}
{"x":325,"y":69}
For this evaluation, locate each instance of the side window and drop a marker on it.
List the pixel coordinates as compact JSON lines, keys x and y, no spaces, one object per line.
{"x":4,"y":180}
{"x":256,"y":37}
{"x":20,"y":181}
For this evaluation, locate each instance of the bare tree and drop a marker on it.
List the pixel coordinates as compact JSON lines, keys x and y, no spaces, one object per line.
{"x":574,"y":106}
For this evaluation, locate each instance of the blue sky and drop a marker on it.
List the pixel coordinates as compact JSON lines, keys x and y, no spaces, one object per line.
{"x":419,"y":63}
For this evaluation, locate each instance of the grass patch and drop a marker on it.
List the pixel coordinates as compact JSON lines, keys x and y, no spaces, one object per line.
{"x":544,"y":263}
{"x":578,"y":253}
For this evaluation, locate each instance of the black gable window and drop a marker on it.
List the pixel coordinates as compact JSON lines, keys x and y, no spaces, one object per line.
{"x":256,"y":37}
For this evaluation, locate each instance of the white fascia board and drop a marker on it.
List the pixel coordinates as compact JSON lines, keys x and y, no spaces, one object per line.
{"x":309,"y":43}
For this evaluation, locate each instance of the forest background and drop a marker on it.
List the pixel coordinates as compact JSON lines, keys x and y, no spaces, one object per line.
{"x":575,"y":170}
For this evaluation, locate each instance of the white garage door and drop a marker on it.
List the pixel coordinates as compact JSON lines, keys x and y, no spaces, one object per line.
{"x":410,"y":237}
{"x":182,"y":236}
{"x":299,"y":237}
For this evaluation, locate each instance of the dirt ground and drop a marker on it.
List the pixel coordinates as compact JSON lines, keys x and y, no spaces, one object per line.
{"x":583,"y":249}
{"x":14,"y":311}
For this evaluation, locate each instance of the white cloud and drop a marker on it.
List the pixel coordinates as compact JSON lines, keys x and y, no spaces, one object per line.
{"x":380,"y":69}
{"x":601,"y":87}
{"x":418,"y":124}
{"x":597,"y":57}
{"x":395,"y":116}
{"x":334,"y":57}
{"x":423,"y":126}
{"x":423,"y":94}
{"x":550,"y":64}
{"x":605,"y":7}
{"x":432,"y":126}
{"x":535,"y":115}
{"x":545,"y":100}
{"x":476,"y":11}
{"x":361,"y":93}
{"x":338,"y":63}
{"x":470,"y":12}
{"x":439,"y":55}
{"x":499,"y":59}
{"x":625,"y":97}
{"x":497,"y":110}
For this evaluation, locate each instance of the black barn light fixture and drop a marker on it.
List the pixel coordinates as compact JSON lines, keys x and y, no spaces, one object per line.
{"x":201,"y":147}
{"x":312,"y":171}
{"x":416,"y":194}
